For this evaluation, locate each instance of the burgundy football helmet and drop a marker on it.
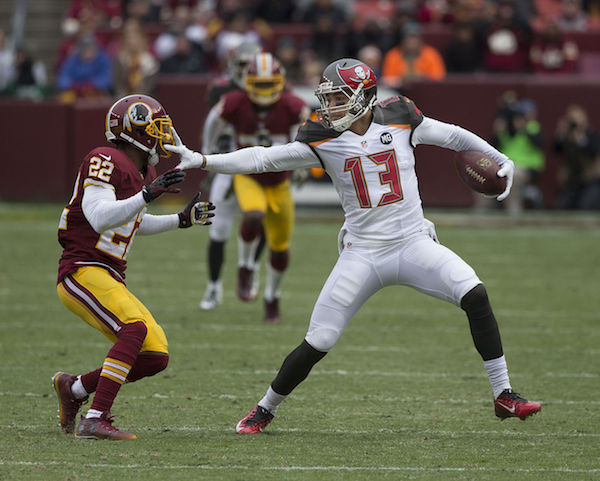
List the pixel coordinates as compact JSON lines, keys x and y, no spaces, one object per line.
{"x":143,"y":122}
{"x":357,"y":82}
{"x":264,"y":80}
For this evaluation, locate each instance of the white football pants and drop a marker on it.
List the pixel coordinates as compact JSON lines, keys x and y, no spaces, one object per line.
{"x":226,"y":207}
{"x":363,"y":268}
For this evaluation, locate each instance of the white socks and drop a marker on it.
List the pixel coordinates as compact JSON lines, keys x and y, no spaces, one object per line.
{"x":93,"y":413}
{"x":273,"y":286}
{"x":247,"y":252}
{"x":498,"y":375}
{"x":78,"y":390}
{"x":271,"y":401}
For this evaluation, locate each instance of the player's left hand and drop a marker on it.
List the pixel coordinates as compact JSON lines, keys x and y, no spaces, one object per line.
{"x":430,"y":229}
{"x":196,"y":213}
{"x":506,"y":170}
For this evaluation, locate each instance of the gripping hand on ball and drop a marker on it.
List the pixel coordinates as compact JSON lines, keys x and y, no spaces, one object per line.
{"x":507,"y":169}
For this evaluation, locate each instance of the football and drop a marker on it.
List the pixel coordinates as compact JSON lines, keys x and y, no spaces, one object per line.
{"x":479,"y":172}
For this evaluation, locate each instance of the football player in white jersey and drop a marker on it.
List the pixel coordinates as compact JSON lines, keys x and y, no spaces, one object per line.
{"x":367,"y":148}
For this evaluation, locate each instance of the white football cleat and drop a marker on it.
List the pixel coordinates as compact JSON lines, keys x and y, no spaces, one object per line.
{"x":213,"y":296}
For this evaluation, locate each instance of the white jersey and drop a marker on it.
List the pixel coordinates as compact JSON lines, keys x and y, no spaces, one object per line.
{"x":374,"y":174}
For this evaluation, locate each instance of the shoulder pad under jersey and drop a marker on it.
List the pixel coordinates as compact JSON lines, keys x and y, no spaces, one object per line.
{"x":398,"y":110}
{"x":311,"y":132}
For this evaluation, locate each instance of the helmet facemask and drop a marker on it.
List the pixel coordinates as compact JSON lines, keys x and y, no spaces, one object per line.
{"x":341,"y":117}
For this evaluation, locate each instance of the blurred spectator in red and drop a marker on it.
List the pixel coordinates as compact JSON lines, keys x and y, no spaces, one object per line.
{"x":578,"y":145}
{"x":134,"y":67}
{"x":7,"y":55}
{"x":187,"y":58}
{"x":328,"y":29}
{"x":551,"y":52}
{"x":87,"y":72}
{"x":573,"y":18}
{"x":27,"y":78}
{"x":464,"y":52}
{"x":507,"y":41}
{"x":412,"y":60}
{"x":109,"y":12}
{"x":372,"y":56}
{"x":432,"y":11}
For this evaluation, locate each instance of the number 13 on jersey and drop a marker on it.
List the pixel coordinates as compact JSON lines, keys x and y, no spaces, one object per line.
{"x":389,"y":177}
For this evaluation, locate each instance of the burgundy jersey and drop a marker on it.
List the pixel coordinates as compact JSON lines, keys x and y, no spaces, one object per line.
{"x":263,"y":126}
{"x":82,"y":245}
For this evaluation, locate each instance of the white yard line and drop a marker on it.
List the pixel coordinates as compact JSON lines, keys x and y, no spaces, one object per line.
{"x":210,"y":467}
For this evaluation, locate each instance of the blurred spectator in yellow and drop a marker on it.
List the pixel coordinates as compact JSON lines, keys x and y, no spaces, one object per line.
{"x":518,"y":134}
{"x":187,"y":58}
{"x":412,"y":60}
{"x":27,"y":78}
{"x":578,"y":145}
{"x":134,"y":67}
{"x":507,"y":41}
{"x":87,"y":72}
{"x":463,"y":53}
{"x":551,"y":52}
{"x":572,"y":18}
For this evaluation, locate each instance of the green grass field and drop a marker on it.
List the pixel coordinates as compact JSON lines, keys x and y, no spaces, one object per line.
{"x":402,"y":396}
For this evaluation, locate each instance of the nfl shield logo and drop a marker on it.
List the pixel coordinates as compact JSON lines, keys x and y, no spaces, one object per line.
{"x":364,"y":144}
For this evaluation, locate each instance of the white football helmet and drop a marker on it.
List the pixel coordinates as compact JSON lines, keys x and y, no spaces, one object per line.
{"x":357,"y":82}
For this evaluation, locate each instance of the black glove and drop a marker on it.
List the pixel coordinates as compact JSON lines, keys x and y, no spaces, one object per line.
{"x":196,"y":213}
{"x":162,"y":184}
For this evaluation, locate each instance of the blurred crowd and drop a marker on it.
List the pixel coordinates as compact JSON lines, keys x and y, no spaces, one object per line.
{"x":111,"y":47}
{"x":114,"y":47}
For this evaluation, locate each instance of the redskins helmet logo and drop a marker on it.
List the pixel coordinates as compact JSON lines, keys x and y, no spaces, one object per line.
{"x":355,"y":76}
{"x":139,"y":114}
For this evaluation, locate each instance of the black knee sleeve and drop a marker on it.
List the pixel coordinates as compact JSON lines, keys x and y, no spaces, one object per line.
{"x":296,"y":367}
{"x":484,"y":327}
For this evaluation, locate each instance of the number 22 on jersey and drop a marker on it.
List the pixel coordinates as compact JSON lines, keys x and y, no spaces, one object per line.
{"x":389,"y":177}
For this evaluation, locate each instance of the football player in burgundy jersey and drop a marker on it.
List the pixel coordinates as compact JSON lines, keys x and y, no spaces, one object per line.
{"x":264,"y":113}
{"x":367,"y":149}
{"x":221,"y":188}
{"x":114,"y":185}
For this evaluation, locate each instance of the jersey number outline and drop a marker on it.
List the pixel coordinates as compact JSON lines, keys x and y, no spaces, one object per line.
{"x":100,"y":168}
{"x":390,"y":176}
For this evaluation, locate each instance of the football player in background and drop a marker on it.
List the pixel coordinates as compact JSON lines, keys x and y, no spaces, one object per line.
{"x":114,"y":185}
{"x":265,"y":114}
{"x":367,"y":148}
{"x":221,"y":188}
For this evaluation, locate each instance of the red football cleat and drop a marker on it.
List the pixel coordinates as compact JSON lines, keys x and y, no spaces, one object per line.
{"x":255,"y":421}
{"x":68,"y":406}
{"x":272,"y":311}
{"x":101,"y":428}
{"x":509,"y":404}
{"x":244,"y":284}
